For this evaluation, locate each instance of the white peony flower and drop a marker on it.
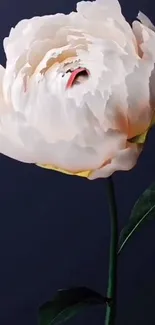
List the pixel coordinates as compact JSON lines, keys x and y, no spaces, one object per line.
{"x":76,"y":89}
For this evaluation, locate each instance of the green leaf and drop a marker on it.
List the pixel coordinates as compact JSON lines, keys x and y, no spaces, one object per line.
{"x":143,"y":210}
{"x":67,"y":304}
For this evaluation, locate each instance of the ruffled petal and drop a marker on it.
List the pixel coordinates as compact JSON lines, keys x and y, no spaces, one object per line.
{"x":87,"y":126}
{"x":99,"y":9}
{"x":145,"y":39}
{"x":27,"y":31}
{"x":140,"y":111}
{"x":108,"y":13}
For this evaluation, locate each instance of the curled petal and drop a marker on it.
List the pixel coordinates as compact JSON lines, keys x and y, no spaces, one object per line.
{"x":145,"y":21}
{"x":125,"y":160}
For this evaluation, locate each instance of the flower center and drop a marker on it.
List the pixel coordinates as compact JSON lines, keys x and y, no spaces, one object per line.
{"x":77,"y":76}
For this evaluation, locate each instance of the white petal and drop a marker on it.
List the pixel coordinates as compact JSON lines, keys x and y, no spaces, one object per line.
{"x":74,"y":157}
{"x":99,"y":8}
{"x":145,"y":20}
{"x":2,"y":71}
{"x":145,"y":39}
{"x":110,"y":3}
{"x":3,"y":106}
{"x":138,"y":89}
{"x":29,"y":30}
{"x":105,"y":12}
{"x":125,"y":160}
{"x":10,"y":141}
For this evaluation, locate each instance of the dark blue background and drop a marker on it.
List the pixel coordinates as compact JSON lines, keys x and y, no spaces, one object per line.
{"x":54,"y":229}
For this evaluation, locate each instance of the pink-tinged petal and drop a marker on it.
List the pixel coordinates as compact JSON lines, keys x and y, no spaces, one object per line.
{"x":145,"y":40}
{"x":78,"y":75}
{"x":139,"y":111}
{"x":125,"y":160}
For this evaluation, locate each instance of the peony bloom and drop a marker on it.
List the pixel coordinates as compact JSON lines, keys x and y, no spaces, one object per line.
{"x":77,"y":88}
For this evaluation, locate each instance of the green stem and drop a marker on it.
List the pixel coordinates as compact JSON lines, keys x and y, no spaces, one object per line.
{"x":112,"y":279}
